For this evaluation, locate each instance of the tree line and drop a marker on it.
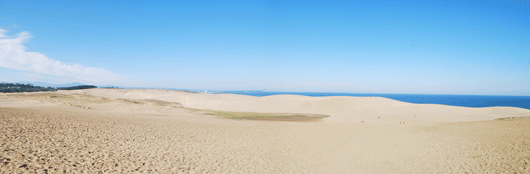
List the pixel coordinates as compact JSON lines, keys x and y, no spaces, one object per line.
{"x":18,"y":87}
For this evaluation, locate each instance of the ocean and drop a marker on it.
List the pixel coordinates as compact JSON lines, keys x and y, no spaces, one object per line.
{"x":452,"y":100}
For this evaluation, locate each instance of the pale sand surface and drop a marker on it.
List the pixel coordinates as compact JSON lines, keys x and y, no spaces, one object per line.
{"x":124,"y":131}
{"x":340,"y":109}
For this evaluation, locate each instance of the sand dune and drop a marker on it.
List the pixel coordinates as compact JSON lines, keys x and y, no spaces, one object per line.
{"x":340,"y":109}
{"x":128,"y":131}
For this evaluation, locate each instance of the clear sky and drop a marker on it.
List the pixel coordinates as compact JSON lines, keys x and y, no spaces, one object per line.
{"x":414,"y":47}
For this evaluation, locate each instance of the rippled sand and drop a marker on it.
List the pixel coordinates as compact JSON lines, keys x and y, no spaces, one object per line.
{"x":81,"y":133}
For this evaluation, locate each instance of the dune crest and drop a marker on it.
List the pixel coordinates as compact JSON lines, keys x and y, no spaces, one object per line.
{"x":341,"y":109}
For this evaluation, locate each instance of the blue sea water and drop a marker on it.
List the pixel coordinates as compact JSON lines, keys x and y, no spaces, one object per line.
{"x":452,"y":100}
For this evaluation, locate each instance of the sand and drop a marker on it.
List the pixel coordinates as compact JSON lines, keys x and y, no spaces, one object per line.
{"x":340,"y":109}
{"x":127,"y":131}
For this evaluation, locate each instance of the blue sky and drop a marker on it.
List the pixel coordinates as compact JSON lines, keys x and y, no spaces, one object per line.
{"x":415,"y":47}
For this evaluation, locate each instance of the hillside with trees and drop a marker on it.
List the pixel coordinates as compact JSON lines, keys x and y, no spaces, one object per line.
{"x":18,"y":87}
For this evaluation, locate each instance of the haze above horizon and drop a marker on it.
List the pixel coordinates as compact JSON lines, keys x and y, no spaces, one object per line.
{"x":408,"y":47}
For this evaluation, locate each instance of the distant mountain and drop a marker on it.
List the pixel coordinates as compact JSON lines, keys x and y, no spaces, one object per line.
{"x":44,"y":84}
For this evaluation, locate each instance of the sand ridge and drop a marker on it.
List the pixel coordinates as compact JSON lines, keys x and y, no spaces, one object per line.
{"x":340,"y":108}
{"x":129,"y":131}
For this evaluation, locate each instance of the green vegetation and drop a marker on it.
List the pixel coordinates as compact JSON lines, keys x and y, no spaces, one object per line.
{"x":266,"y":116}
{"x":110,"y":87}
{"x":509,"y":118}
{"x":78,"y":87}
{"x":17,"y":87}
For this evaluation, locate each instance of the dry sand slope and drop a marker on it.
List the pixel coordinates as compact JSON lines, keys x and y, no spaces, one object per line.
{"x":340,"y":109}
{"x":125,"y":131}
